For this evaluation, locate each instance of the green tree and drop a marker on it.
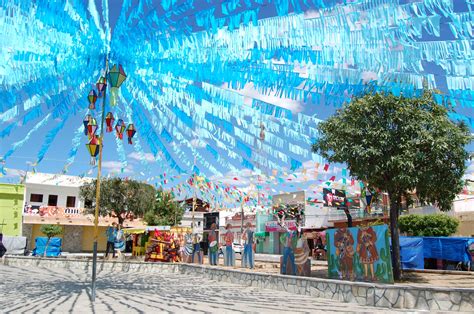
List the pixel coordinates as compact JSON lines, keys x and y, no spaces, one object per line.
{"x":166,"y":212}
{"x":398,"y":144}
{"x":119,"y":197}
{"x":435,"y":225}
{"x":50,"y":231}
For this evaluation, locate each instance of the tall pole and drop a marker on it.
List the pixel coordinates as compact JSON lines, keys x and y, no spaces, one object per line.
{"x":194,"y":205}
{"x":241,"y":218}
{"x":97,"y":191}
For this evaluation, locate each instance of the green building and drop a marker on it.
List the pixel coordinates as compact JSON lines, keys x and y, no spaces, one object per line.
{"x":11,"y":207}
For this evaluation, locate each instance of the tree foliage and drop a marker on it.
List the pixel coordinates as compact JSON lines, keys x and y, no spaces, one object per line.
{"x":50,"y":231}
{"x":435,"y":225}
{"x":166,"y":212}
{"x":119,"y":198}
{"x":398,"y":144}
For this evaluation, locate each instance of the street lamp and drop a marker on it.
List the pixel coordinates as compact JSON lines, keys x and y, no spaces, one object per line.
{"x":116,"y":76}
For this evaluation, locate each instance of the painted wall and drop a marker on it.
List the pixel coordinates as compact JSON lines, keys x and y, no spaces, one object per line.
{"x":11,"y":207}
{"x":88,"y":239}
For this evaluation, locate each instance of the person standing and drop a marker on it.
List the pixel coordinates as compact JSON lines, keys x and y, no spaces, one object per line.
{"x":247,"y":236}
{"x":3,"y":249}
{"x":213,"y":245}
{"x":119,"y":241}
{"x":111,"y":235}
{"x":229,"y":252}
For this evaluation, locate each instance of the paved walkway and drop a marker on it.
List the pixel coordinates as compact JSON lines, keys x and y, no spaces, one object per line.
{"x":60,"y":290}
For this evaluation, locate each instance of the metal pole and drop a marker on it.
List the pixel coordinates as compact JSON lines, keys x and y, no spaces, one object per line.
{"x":97,"y":191}
{"x":241,"y":218}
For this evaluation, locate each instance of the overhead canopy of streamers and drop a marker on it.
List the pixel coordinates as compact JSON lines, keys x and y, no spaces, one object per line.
{"x":215,"y":86}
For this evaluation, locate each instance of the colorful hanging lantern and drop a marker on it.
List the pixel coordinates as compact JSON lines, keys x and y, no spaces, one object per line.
{"x":86,"y":122}
{"x":91,"y":127}
{"x":109,"y":121}
{"x":92,"y":99}
{"x":131,"y":132}
{"x":117,"y":76}
{"x":93,"y":147}
{"x":120,"y":128}
{"x":101,"y":85}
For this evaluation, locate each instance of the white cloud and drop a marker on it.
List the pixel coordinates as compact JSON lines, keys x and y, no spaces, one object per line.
{"x":147,"y":156}
{"x":116,"y":167}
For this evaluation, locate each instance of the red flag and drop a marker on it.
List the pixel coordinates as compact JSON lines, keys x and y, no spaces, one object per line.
{"x":326,"y":167}
{"x":332,"y":178}
{"x":235,"y":179}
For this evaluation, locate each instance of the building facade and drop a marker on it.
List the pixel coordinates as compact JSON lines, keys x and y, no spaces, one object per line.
{"x":54,"y":199}
{"x":11,"y":204}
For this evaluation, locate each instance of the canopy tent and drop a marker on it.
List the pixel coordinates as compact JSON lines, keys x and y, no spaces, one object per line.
{"x":213,"y":86}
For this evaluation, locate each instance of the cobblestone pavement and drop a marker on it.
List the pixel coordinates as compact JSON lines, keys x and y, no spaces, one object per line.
{"x":60,"y":291}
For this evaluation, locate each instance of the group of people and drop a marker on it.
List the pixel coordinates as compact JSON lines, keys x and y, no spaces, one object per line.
{"x":115,"y":240}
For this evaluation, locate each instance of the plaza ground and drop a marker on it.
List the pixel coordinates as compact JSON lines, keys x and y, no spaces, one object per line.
{"x":59,"y":290}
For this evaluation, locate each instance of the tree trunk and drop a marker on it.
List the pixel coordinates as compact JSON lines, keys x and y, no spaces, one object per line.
{"x":395,"y":235}
{"x":46,"y":247}
{"x":120,"y":219}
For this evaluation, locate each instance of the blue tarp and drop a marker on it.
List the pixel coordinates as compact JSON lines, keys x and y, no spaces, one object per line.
{"x":447,"y":248}
{"x":411,"y":252}
{"x":54,"y":246}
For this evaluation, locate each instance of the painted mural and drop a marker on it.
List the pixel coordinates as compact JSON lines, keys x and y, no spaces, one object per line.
{"x":359,"y":254}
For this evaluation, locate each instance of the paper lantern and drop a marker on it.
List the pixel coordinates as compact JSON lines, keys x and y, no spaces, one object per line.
{"x":92,"y":99}
{"x":91,"y":127}
{"x":130,"y":132}
{"x":117,"y":76}
{"x":101,"y":85}
{"x":86,"y":122}
{"x":109,"y":121}
{"x":94,"y":148}
{"x":120,"y":128}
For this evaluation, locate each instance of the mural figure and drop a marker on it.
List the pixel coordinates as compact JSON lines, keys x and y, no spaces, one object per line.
{"x":288,"y":239}
{"x":247,"y":258}
{"x":229,"y":252}
{"x":196,"y":248}
{"x":344,"y":241}
{"x":213,"y":245}
{"x":188,"y":247}
{"x":302,"y":251}
{"x":366,"y":239}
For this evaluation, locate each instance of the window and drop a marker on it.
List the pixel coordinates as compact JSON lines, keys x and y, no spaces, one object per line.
{"x":71,"y":201}
{"x":52,"y":200}
{"x":37,"y":198}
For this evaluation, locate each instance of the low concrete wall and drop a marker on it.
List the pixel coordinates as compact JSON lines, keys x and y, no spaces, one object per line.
{"x":387,"y":296}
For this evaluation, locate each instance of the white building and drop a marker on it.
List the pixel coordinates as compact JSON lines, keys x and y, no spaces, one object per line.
{"x":44,"y":189}
{"x":55,"y":199}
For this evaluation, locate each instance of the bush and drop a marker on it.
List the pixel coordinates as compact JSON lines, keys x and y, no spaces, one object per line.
{"x":434,"y":225}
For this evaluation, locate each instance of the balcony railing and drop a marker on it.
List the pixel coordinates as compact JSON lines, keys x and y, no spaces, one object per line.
{"x":53,"y":211}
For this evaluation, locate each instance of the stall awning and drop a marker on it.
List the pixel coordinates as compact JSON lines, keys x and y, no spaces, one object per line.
{"x":261,"y":234}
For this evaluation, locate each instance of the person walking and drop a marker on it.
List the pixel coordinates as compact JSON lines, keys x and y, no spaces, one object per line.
{"x":119,"y":241}
{"x":111,"y":235}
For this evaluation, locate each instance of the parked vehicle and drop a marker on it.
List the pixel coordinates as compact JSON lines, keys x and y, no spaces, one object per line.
{"x":237,"y":247}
